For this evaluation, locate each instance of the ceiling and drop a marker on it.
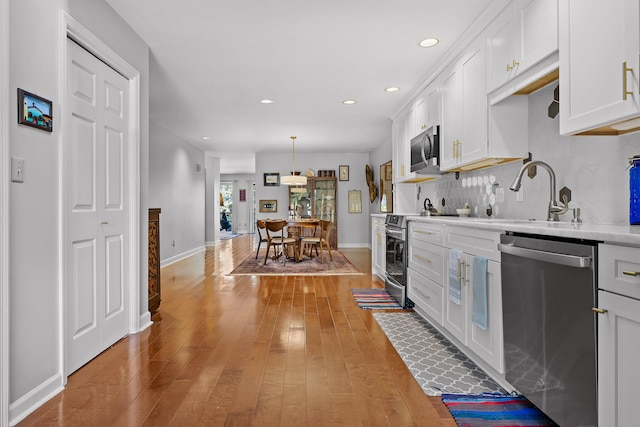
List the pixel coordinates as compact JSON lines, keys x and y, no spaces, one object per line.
{"x":213,"y":61}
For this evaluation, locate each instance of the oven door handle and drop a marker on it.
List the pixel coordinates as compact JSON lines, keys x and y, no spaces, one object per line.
{"x":552,"y":257}
{"x":396,"y":234}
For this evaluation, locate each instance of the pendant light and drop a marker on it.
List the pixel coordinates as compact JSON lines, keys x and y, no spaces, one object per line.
{"x":293,"y":179}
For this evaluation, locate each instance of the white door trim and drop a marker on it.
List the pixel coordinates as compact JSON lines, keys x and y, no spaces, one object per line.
{"x":4,"y":213}
{"x":70,"y":28}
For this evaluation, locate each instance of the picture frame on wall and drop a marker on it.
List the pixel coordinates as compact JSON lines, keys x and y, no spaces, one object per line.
{"x":271,"y":179}
{"x":35,"y":111}
{"x":268,"y":205}
{"x":243,"y":195}
{"x":355,"y":201}
{"x":343,"y":173}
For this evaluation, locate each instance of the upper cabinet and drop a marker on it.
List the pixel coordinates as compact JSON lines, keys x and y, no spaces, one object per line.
{"x":524,"y":34}
{"x":464,"y":109}
{"x":599,"y":46}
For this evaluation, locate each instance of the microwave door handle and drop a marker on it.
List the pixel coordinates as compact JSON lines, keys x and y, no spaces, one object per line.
{"x":424,"y":146}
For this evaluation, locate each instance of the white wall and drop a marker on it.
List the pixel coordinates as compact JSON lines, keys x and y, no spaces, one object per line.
{"x":35,"y":289}
{"x":353,"y":228}
{"x":593,"y":167}
{"x":380,"y":155}
{"x":178,"y":189}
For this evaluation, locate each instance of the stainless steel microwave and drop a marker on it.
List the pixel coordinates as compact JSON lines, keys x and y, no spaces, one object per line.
{"x":425,"y":151}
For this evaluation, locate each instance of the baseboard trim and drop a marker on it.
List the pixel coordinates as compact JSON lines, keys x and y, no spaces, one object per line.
{"x":187,"y":254}
{"x":37,"y":397}
{"x":353,"y":245}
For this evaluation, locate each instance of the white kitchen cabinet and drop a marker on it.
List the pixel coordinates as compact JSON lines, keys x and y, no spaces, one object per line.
{"x":618,"y":334}
{"x":426,"y":269}
{"x":378,"y":245}
{"x":417,"y":118}
{"x":401,"y":164}
{"x":433,"y":94}
{"x":521,"y":36}
{"x":464,"y":109}
{"x":486,"y":343}
{"x":599,"y":43}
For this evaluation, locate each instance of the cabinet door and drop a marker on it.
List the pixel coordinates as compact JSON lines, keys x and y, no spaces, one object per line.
{"x":434,"y":104}
{"x":486,"y":343}
{"x":451,"y":131}
{"x":500,"y":48}
{"x":536,"y":32}
{"x":473,"y":144}
{"x":400,"y":148}
{"x":618,"y":368}
{"x":378,"y":237}
{"x":596,"y":38}
{"x":455,"y":313}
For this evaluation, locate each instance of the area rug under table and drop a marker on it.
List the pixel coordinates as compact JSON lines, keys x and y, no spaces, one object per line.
{"x":436,"y":364}
{"x":493,"y":410}
{"x":374,"y":299}
{"x":307,"y":267}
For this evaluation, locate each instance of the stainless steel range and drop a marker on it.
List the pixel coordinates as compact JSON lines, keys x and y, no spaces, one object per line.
{"x":396,"y":258}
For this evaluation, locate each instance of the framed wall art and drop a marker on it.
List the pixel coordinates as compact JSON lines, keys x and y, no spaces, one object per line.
{"x":343,"y":173}
{"x":35,"y":111}
{"x":243,"y":195}
{"x":268,"y":205}
{"x":271,"y":179}
{"x":355,"y":201}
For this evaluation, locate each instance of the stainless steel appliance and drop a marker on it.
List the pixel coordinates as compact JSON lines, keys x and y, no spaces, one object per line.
{"x":396,"y":258}
{"x":548,"y":291}
{"x":425,"y":151}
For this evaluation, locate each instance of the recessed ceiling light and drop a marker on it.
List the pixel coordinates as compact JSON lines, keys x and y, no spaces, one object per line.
{"x":267,"y":101}
{"x":205,"y":138}
{"x":428,"y":42}
{"x":349,"y":101}
{"x":392,"y":89}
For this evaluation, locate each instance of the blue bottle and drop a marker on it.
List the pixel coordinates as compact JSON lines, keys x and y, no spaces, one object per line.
{"x":634,"y":190}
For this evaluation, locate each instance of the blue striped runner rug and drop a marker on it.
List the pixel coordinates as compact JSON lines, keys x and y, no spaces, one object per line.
{"x":374,"y":299}
{"x":493,"y":410}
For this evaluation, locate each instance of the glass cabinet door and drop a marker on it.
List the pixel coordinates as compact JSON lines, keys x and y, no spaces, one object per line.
{"x":300,"y":201}
{"x":324,"y":200}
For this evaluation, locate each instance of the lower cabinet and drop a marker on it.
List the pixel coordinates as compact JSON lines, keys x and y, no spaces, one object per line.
{"x":485,"y":342}
{"x":428,"y":285}
{"x":618,"y":335}
{"x":378,"y":244}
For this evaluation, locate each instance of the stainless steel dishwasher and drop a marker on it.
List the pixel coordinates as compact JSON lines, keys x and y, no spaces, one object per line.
{"x":548,"y":292}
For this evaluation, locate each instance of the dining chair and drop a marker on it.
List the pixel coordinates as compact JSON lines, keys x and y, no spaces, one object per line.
{"x":275,"y":239}
{"x":321,"y":241}
{"x":260,"y":225}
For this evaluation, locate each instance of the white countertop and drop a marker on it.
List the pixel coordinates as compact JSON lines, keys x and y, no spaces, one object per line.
{"x":611,"y":233}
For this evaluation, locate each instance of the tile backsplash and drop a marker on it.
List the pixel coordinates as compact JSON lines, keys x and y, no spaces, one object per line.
{"x":595,"y":168}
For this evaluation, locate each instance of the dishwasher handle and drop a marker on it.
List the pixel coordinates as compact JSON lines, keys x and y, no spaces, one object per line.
{"x":552,"y":257}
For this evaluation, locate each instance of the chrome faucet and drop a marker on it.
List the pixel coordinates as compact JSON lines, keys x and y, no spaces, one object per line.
{"x":554,"y":209}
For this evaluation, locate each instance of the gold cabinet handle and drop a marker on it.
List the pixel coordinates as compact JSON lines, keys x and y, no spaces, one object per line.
{"x":599,"y":310}
{"x":509,"y":67}
{"x":625,"y":70}
{"x":459,"y":270}
{"x":428,"y":233}
{"x":104,"y":222}
{"x":515,"y":63}
{"x":466,"y":266}
{"x":421,"y":258}
{"x":631,"y":273}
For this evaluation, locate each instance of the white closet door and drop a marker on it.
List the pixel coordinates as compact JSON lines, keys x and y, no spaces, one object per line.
{"x":96,"y":219}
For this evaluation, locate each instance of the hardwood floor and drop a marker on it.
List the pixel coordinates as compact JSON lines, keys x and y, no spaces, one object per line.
{"x":249,"y":351}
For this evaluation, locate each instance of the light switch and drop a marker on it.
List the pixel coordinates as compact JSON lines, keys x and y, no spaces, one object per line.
{"x":17,"y":169}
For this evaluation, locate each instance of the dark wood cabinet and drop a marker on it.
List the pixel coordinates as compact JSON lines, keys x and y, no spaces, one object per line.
{"x":316,"y":200}
{"x":154,"y":259}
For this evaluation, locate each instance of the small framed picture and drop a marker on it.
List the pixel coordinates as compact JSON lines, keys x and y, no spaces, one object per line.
{"x":268,"y":205}
{"x":35,"y":111}
{"x":355,"y":201}
{"x":344,"y":173}
{"x":243,"y":195}
{"x":388,"y":175}
{"x":271,"y":179}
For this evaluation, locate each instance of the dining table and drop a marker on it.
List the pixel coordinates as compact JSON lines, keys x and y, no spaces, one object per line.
{"x":298,"y":228}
